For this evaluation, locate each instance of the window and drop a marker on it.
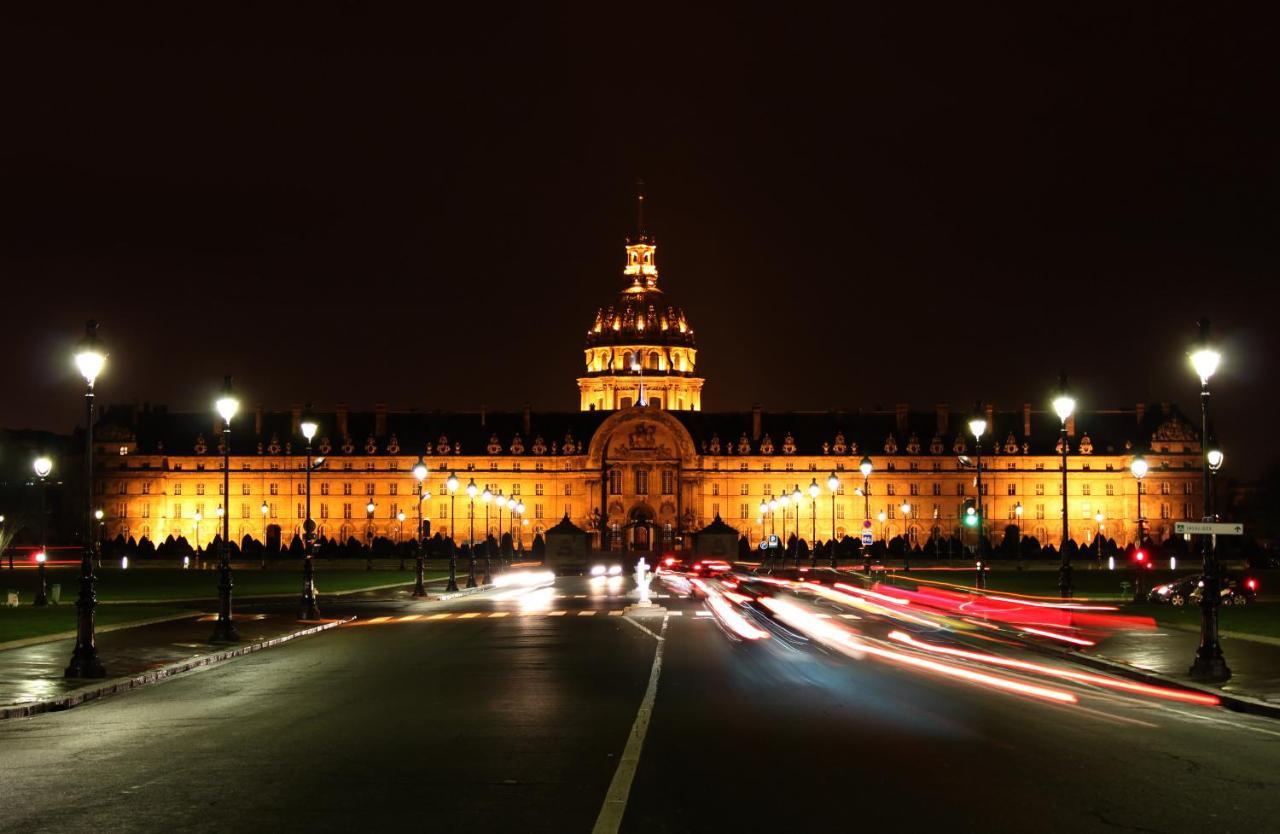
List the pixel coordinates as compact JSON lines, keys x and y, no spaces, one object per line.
{"x":715,"y":510}
{"x":1039,"y":489}
{"x":299,"y":511}
{"x":766,"y":466}
{"x":324,"y":489}
{"x":346,"y":511}
{"x":960,"y":488}
{"x":937,"y":489}
{"x":744,"y":489}
{"x":1164,"y":487}
{"x":324,"y":510}
{"x":244,"y":489}
{"x":767,"y":490}
{"x":370,"y":489}
{"x":1164,"y":510}
{"x":915,"y":489}
{"x":840,"y":511}
{"x":642,"y":482}
{"x":890,"y":511}
{"x":177,"y":490}
{"x":537,"y":466}
{"x":146,"y":488}
{"x":615,"y":481}
{"x":537,"y":511}
{"x":890,"y":489}
{"x":1040,"y":511}
{"x":199,"y":509}
{"x":273,"y":511}
{"x":393,"y":489}
{"x":744,"y":511}
{"x":274,"y":488}
{"x":986,"y":488}
{"x":568,"y":489}
{"x":669,"y":483}
{"x":146,"y":511}
{"x":715,"y":489}
{"x":537,"y":489}
{"x":1188,"y":487}
{"x":177,"y":511}
{"x":1111,"y":489}
{"x":199,"y":489}
{"x":515,"y":489}
{"x":1186,"y":510}
{"x":742,"y":467}
{"x":444,"y":511}
{"x":302,"y":488}
{"x":1012,"y":489}
{"x":1086,"y":489}
{"x":124,"y":488}
{"x":244,"y":510}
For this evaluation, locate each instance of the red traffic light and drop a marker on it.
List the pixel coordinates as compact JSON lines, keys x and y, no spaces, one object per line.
{"x":1139,"y":555}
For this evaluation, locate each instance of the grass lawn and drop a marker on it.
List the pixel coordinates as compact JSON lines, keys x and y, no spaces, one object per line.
{"x":115,"y":584}
{"x":1261,"y":618}
{"x":30,"y":621}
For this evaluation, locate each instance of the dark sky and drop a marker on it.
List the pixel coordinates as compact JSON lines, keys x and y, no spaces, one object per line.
{"x":854,"y":210}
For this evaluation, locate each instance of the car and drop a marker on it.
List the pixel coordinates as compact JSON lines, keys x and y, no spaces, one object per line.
{"x":693,"y":567}
{"x":1189,"y":589}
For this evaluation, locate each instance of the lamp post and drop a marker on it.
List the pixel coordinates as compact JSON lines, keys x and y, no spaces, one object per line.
{"x":198,"y":518}
{"x":906,"y":536}
{"x":420,"y":475}
{"x":42,"y":466}
{"x":10,"y":549}
{"x":308,"y":610}
{"x":977,"y":426}
{"x":1138,"y":468}
{"x":796,"y":497}
{"x":451,"y":485}
{"x":813,"y":490}
{"x":764,"y":509}
{"x":98,"y":515}
{"x":1098,"y":535}
{"x":1064,"y":404}
{"x":783,"y":501}
{"x":486,"y":496}
{"x":90,"y":359}
{"x":1209,"y":664}
{"x":502,"y":502}
{"x":369,"y":509}
{"x":400,"y":537}
{"x":224,"y":630}
{"x":882,"y":516}
{"x":833,"y":484}
{"x":265,"y":510}
{"x":520,"y":526}
{"x":471,"y":540}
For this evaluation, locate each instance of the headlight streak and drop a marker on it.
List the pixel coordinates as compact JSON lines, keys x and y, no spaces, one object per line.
{"x":835,"y":636}
{"x":1053,"y":635}
{"x":1184,"y":696}
{"x":727,"y":615}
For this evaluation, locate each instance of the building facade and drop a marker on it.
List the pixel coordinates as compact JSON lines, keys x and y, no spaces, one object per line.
{"x":641,"y":465}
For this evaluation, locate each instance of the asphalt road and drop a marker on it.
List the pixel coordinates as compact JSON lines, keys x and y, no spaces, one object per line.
{"x":517,"y":722}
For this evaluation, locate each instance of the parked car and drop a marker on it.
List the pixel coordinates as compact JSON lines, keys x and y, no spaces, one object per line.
{"x":1190,"y":589}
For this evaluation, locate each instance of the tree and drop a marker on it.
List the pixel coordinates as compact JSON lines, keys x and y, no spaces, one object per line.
{"x":1010,"y":546}
{"x":539,"y":547}
{"x":744,"y":549}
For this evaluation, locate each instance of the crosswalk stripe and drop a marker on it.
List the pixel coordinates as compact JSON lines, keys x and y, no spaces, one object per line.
{"x":588,"y":613}
{"x":408,"y":618}
{"x":496,"y":614}
{"x":556,"y":613}
{"x":468,"y":615}
{"x":378,"y":620}
{"x":439,"y":616}
{"x":618,"y":613}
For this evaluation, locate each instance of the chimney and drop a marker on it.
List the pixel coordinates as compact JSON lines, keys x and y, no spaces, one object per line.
{"x":1026,"y":420}
{"x":380,"y":420}
{"x":900,"y":411}
{"x":343,"y":411}
{"x":257,"y":419}
{"x":526,"y":420}
{"x":989,"y":411}
{"x":295,"y":419}
{"x":1141,"y":411}
{"x":755,"y":423}
{"x":1071,"y":428}
{"x":944,"y":418}
{"x":482,"y":415}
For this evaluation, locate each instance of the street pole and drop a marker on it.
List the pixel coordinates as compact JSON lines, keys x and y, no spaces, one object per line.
{"x":1209,"y":665}
{"x":308,"y":610}
{"x":84,"y":658}
{"x":977,"y":426}
{"x":1064,"y":404}
{"x":452,"y":485}
{"x":43,"y":467}
{"x":487,"y":579}
{"x":224,"y":630}
{"x":471,"y":539}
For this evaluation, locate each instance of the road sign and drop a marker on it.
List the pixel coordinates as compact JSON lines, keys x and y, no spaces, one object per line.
{"x":867,"y":541}
{"x":866,"y":525}
{"x":1206,"y":528}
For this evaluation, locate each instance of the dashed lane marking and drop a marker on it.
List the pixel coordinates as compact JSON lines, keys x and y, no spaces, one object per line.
{"x":439,"y":616}
{"x":590,"y":612}
{"x":616,"y":613}
{"x":556,"y":613}
{"x":408,"y":618}
{"x":469,"y":615}
{"x":496,"y":614}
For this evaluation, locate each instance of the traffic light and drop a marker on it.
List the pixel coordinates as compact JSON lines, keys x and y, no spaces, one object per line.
{"x":1140,"y":557}
{"x":970,"y":512}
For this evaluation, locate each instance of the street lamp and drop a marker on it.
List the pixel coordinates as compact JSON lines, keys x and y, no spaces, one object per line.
{"x":906,"y":536}
{"x":420,"y":475}
{"x":472,"y":490}
{"x":1209,"y":664}
{"x":400,"y":536}
{"x":520,"y":526}
{"x":795,"y":497}
{"x":451,"y":485}
{"x":814,"y":491}
{"x":90,"y":359}
{"x":199,"y":517}
{"x":1098,"y":536}
{"x":224,"y":630}
{"x":42,"y":466}
{"x":98,"y":516}
{"x":308,"y":609}
{"x":486,"y":496}
{"x":1063,"y":405}
{"x":977,"y":427}
{"x":369,"y":509}
{"x":1215,"y":459}
{"x":264,"y":509}
{"x":1138,"y":467}
{"x":503,"y":502}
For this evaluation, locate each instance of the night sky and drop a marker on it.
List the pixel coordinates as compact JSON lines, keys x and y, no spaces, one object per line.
{"x":853,"y":211}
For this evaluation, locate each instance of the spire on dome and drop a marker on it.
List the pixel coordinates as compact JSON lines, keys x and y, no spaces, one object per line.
{"x":642,"y":253}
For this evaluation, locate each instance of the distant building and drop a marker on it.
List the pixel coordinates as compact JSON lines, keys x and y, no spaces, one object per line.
{"x":641,"y":465}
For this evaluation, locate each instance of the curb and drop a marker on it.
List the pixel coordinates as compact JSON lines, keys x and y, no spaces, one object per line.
{"x":67,"y":635}
{"x":117,"y":685}
{"x":464,"y":592}
{"x":1236,"y":703}
{"x":1234,"y":635}
{"x":260,"y":597}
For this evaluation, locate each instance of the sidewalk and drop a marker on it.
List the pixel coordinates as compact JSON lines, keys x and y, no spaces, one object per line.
{"x":35,"y":673}
{"x":1169,"y":652}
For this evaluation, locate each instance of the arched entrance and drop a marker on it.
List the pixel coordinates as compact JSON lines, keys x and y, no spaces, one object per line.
{"x":641,"y":529}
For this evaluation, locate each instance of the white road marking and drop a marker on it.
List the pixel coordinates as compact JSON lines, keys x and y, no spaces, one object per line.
{"x":615,"y":801}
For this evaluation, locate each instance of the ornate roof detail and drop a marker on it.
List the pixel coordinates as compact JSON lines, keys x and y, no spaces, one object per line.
{"x":788,"y":445}
{"x":517,"y":446}
{"x":569,"y":447}
{"x":274,"y":446}
{"x":891,"y":445}
{"x":347,"y":446}
{"x":1058,"y":446}
{"x":913,"y":444}
{"x":1011,"y":445}
{"x":201,"y":447}
{"x":370,"y":446}
{"x":539,"y":446}
{"x":393,"y":445}
{"x":766,"y":445}
{"x":959,"y":445}
{"x":325,"y":447}
{"x":442,"y":445}
{"x":839,"y":447}
{"x":936,"y":445}
{"x":1177,"y":430}
{"x":1086,"y":445}
{"x":495,"y":445}
{"x":744,"y":445}
{"x":715,"y":443}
